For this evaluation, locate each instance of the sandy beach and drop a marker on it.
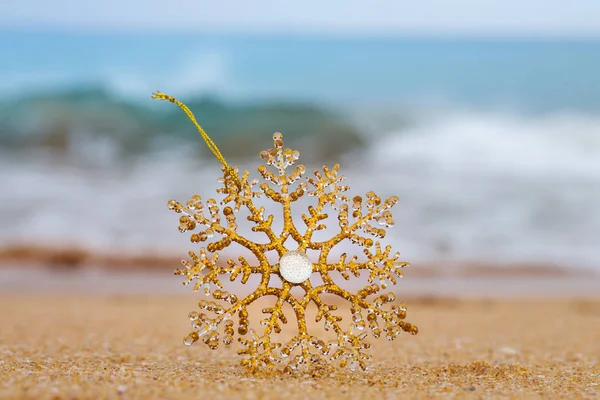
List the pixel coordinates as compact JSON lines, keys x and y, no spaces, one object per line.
{"x":111,"y":345}
{"x":482,"y":131}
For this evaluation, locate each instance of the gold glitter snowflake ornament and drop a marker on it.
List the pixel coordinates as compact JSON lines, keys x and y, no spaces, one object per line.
{"x":359,"y":221}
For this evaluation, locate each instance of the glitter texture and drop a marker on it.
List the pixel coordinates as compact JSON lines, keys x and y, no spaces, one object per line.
{"x":295,"y":267}
{"x":359,"y":222}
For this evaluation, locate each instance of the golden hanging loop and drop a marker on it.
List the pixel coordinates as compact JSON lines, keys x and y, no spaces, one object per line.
{"x":211,"y":145}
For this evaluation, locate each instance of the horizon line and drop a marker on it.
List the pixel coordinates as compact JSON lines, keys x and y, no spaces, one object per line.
{"x":314,"y":32}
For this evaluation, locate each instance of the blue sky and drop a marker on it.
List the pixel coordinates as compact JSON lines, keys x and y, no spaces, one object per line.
{"x":354,"y":17}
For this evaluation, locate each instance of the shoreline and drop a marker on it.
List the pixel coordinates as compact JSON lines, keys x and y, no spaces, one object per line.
{"x":42,"y":269}
{"x":73,"y":258}
{"x":100,"y":281}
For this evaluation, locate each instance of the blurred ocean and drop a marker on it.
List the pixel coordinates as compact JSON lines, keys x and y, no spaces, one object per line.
{"x":493,"y":146}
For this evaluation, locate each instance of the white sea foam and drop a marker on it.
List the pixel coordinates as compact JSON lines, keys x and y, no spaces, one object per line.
{"x":471,"y":186}
{"x":560,"y":143}
{"x":497,"y":187}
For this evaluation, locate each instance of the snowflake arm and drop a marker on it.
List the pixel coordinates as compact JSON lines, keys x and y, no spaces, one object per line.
{"x":357,"y":220}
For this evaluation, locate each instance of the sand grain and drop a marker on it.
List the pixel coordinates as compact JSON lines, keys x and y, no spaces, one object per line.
{"x":130,"y":347}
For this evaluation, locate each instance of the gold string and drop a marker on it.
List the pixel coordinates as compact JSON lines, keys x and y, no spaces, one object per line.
{"x":211,"y":145}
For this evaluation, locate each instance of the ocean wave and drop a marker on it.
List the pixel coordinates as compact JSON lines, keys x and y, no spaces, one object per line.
{"x":497,"y":143}
{"x":71,"y":121}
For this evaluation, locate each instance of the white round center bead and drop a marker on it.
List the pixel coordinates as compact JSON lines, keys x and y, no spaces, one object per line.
{"x":295,"y":266}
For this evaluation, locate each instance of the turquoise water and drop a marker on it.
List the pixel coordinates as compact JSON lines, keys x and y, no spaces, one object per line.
{"x":536,"y":75}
